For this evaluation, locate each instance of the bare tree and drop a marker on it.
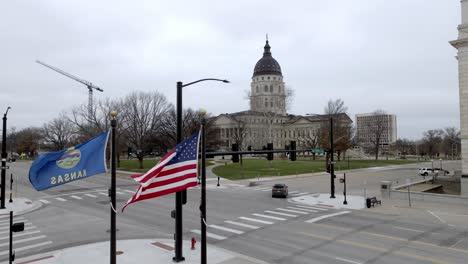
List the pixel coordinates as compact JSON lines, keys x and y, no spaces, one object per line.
{"x":311,"y":140}
{"x":451,"y":140}
{"x":431,"y":142}
{"x":27,"y":140}
{"x":335,"y":107}
{"x":142,"y":116}
{"x":59,"y":133}
{"x":342,"y":128}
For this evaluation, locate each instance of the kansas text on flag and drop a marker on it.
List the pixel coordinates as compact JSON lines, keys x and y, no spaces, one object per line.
{"x":81,"y":161}
{"x":175,"y":172}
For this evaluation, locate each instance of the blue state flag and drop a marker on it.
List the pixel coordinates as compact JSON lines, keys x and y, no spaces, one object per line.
{"x":75,"y":163}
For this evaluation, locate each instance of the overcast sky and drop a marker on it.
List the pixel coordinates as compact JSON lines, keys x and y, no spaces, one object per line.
{"x":373,"y":54}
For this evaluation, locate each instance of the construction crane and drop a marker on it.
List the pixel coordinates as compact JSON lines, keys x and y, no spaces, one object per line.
{"x":88,"y":84}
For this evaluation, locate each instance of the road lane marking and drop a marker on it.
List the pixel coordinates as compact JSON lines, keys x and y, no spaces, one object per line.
{"x":300,"y":194}
{"x":278,"y":213}
{"x":312,"y":207}
{"x":313,"y":220}
{"x":302,"y":209}
{"x":102,"y":193}
{"x":452,"y":246}
{"x":242,"y":224}
{"x":393,"y":238}
{"x":347,"y":260}
{"x":380,"y":249}
{"x":235,"y":231}
{"x":119,"y":192}
{"x":76,"y":197}
{"x":23,"y":240}
{"x":128,"y":191}
{"x":408,"y":229}
{"x":436,"y":216}
{"x":256,"y":220}
{"x":60,"y":199}
{"x":262,"y":189}
{"x":293,"y":192}
{"x":208,"y":234}
{"x":270,"y":217}
{"x":91,"y":195}
{"x":44,"y":201}
{"x":292,"y":211}
{"x":27,"y":247}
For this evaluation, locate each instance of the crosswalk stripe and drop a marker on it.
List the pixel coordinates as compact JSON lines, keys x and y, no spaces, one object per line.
{"x":8,"y":221}
{"x":242,"y":224}
{"x":4,"y":224}
{"x":128,"y":191}
{"x":293,"y":192}
{"x":102,"y":193}
{"x":227,"y":229}
{"x":26,"y":247}
{"x":271,"y":217}
{"x":291,"y":211}
{"x":22,"y":240}
{"x":256,"y":220}
{"x":90,"y":195}
{"x":44,"y":201}
{"x":27,"y":226}
{"x":208,"y":234}
{"x":299,"y":194}
{"x":76,"y":197}
{"x":266,"y":190}
{"x":302,"y":209}
{"x":273,"y":212}
{"x":21,"y":234}
{"x":119,"y":192}
{"x":313,"y":220}
{"x":261,"y":189}
{"x":312,"y":207}
{"x":60,"y":199}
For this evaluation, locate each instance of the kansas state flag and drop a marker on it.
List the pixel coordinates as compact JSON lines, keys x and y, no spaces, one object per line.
{"x":75,"y":163}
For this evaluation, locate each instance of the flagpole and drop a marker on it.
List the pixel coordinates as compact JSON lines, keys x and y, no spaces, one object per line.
{"x":203,"y":188}
{"x":113,"y":246}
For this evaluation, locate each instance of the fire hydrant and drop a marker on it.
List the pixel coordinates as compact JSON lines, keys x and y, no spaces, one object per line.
{"x":193,"y":243}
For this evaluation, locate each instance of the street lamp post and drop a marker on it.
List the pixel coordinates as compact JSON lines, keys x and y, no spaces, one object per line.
{"x":203,"y":188}
{"x":332,"y":163}
{"x":4,"y":156}
{"x":432,"y":161}
{"x":178,"y":201}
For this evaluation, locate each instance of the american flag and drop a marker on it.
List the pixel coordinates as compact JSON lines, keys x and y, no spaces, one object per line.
{"x":175,"y":172}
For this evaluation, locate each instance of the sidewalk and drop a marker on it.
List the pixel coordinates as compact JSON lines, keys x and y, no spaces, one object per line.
{"x":19,"y":206}
{"x":141,"y":251}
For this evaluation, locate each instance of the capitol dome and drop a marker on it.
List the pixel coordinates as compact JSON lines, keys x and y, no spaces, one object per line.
{"x":267,"y":64}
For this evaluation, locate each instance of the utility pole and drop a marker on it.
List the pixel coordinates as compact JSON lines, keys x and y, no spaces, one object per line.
{"x":203,"y":188}
{"x":112,"y":194}
{"x":332,"y":163}
{"x":4,"y":156}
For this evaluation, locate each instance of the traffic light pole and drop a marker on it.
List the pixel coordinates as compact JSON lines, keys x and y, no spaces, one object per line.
{"x":332,"y":163}
{"x":4,"y":156}
{"x":203,"y":192}
{"x":113,"y":237}
{"x":178,"y":202}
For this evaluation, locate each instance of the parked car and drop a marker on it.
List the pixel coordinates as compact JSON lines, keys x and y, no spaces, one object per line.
{"x":13,"y":157}
{"x":427,"y":171}
{"x":279,"y":190}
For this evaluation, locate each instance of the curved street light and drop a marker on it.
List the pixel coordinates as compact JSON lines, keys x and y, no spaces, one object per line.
{"x":4,"y":156}
{"x":179,"y":195}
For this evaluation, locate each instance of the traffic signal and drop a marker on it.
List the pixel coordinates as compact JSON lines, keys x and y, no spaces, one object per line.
{"x":292,"y":156}
{"x":235,"y":157}
{"x":270,"y":155}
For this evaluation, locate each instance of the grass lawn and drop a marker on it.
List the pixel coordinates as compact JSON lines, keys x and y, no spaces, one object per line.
{"x":133,"y":165}
{"x":253,"y":168}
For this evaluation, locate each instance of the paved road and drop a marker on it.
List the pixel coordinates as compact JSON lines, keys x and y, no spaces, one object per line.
{"x":245,"y":220}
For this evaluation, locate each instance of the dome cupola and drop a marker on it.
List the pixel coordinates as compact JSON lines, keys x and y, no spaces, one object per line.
{"x":267,"y":64}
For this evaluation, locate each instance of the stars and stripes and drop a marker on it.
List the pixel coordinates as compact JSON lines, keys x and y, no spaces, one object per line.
{"x":175,"y":172}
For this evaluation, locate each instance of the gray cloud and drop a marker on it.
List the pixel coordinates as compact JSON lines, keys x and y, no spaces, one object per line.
{"x":391,"y":55}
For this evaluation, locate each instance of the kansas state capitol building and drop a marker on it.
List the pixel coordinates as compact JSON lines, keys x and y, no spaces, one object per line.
{"x":267,"y":120}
